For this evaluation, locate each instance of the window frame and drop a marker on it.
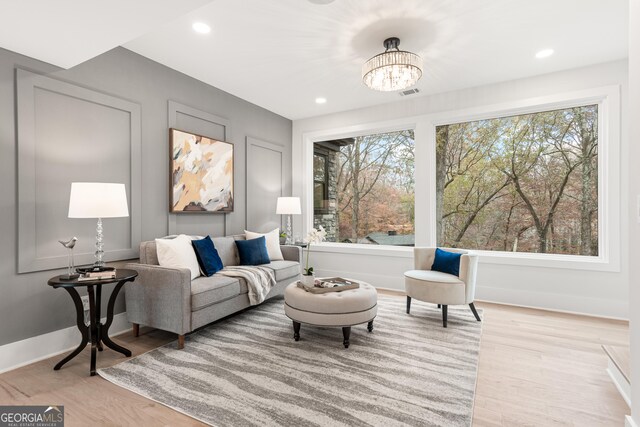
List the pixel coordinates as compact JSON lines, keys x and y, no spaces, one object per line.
{"x":610,"y":197}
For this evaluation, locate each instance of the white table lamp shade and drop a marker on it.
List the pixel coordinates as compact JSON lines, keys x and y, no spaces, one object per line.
{"x":97,"y":200}
{"x":288,"y":206}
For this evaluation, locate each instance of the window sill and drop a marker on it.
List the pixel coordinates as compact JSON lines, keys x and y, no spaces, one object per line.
{"x":571,"y":262}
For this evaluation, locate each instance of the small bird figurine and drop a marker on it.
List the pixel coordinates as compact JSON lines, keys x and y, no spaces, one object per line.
{"x":70,"y":244}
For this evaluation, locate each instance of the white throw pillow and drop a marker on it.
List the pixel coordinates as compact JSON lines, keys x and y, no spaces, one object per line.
{"x":273,"y":243}
{"x":178,"y":253}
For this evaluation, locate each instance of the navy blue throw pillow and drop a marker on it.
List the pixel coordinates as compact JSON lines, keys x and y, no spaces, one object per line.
{"x":253,"y":252}
{"x":207,"y":255}
{"x":446,"y":262}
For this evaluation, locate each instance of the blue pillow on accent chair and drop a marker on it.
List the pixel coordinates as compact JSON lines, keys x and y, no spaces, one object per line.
{"x":446,"y":262}
{"x":253,"y":252}
{"x":207,"y":255}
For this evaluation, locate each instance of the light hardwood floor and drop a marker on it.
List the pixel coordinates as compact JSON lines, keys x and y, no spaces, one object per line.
{"x":536,"y":368}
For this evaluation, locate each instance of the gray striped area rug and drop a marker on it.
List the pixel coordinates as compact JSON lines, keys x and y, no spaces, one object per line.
{"x":247,"y":370}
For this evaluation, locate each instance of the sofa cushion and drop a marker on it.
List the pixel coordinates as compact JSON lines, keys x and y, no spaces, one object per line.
{"x":178,"y":253}
{"x":206,"y":291}
{"x":447,"y":262}
{"x":148,"y":253}
{"x":432,"y":276}
{"x":253,"y":252}
{"x":227,"y":250}
{"x":272,"y":241}
{"x":284,"y":269}
{"x":208,"y":258}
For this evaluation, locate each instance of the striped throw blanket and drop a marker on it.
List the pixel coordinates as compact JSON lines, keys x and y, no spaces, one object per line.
{"x":259,"y":280}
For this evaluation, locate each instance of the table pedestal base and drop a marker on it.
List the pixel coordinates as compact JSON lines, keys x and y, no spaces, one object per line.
{"x":97,"y":332}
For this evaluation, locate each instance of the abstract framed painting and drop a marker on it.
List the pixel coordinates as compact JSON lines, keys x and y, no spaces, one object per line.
{"x":201,"y":174}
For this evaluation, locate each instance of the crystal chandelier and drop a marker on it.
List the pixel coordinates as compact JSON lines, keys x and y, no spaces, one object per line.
{"x":394,"y":69}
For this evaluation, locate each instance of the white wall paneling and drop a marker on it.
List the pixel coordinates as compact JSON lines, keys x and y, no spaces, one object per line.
{"x":69,"y":133}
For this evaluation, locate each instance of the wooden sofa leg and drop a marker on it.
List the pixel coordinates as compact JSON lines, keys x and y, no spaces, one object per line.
{"x":180,"y":342}
{"x":136,"y":329}
{"x":444,"y":315}
{"x":408,"y":304}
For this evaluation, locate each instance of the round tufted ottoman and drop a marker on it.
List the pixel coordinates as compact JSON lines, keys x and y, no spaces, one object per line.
{"x":343,"y":309}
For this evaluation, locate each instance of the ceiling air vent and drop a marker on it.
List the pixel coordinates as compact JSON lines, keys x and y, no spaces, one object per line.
{"x":408,"y":92}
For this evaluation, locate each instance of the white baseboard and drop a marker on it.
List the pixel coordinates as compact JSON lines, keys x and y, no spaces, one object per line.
{"x":628,"y":422}
{"x":624,"y":388}
{"x":571,"y":304}
{"x":20,"y":353}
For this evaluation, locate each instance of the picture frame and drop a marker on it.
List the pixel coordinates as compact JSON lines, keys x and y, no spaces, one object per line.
{"x":201,"y":174}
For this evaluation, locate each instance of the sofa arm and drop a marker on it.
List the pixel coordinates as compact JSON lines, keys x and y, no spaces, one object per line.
{"x":291,"y":252}
{"x":160,"y":297}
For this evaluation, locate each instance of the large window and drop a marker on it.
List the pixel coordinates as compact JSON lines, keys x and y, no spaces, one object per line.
{"x":367,"y":186}
{"x":525,"y":183}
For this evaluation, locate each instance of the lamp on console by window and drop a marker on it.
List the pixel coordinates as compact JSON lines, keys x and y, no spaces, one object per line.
{"x":288,"y":206}
{"x":98,"y":200}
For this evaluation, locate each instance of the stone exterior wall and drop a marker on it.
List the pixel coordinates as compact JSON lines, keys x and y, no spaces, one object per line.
{"x":329,"y":217}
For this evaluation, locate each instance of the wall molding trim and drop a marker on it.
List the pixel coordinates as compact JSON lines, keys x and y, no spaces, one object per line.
{"x":173,"y":109}
{"x":28,"y":84}
{"x":254,"y":164}
{"x":25,"y":352}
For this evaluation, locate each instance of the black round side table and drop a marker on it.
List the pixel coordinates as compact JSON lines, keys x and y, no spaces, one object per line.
{"x":96,"y":331}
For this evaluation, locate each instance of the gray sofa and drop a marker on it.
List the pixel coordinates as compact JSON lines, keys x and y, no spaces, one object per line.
{"x":167,"y":298}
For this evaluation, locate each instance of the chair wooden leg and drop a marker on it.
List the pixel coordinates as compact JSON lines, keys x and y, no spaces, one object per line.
{"x":408,"y":304}
{"x":180,"y":342}
{"x":475,"y":313}
{"x":444,"y":315}
{"x":136,"y":329}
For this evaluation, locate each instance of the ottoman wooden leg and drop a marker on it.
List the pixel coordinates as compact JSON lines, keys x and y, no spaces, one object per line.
{"x":346,"y":332}
{"x":370,"y":326}
{"x":296,"y":330}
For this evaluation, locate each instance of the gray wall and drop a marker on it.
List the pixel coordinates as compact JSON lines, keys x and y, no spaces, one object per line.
{"x":28,"y":307}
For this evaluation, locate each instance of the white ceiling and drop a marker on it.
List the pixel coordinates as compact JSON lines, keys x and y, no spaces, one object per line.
{"x":68,"y":32}
{"x":282,"y":54}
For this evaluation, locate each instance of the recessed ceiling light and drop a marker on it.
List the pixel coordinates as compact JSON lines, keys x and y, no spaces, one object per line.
{"x":544,"y":53}
{"x":321,"y":100}
{"x":201,"y":27}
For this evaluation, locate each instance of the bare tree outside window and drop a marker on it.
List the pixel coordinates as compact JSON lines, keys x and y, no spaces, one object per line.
{"x":370,"y":190}
{"x":526,"y":183}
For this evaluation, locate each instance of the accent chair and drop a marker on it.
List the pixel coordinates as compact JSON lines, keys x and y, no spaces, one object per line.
{"x":443,"y":289}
